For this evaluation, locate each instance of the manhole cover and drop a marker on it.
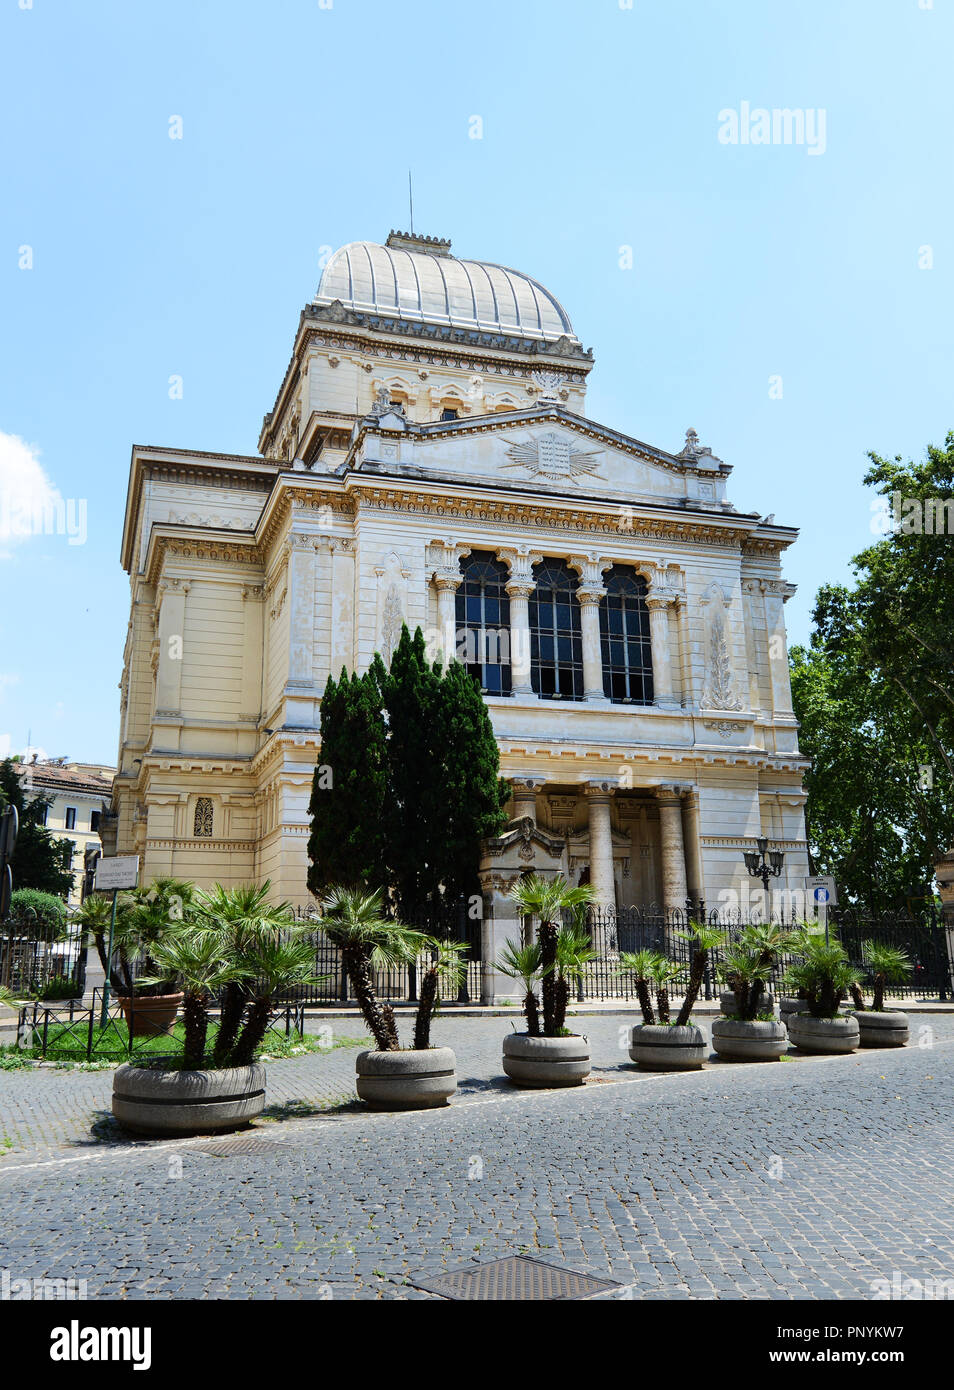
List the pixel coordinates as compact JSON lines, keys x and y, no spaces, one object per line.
{"x":239,"y":1145}
{"x":515,"y":1278}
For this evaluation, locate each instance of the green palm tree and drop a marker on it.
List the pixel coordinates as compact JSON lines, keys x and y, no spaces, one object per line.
{"x":243,"y":919}
{"x":771,"y":941}
{"x":743,"y":970}
{"x":573,"y":954}
{"x":522,"y":963}
{"x":274,"y":965}
{"x":889,"y":965}
{"x":705,"y":939}
{"x":824,"y":975}
{"x":442,"y":976}
{"x":193,"y":956}
{"x":93,"y":915}
{"x":548,"y":899}
{"x":664,"y":973}
{"x":353,"y":921}
{"x":641,"y":965}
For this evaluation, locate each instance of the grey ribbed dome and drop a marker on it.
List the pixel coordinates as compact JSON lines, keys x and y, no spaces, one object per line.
{"x":435,"y":287}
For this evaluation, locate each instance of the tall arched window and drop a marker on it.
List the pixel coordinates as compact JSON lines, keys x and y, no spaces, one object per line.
{"x":556,"y":643}
{"x":483,"y":621}
{"x":625,"y":638}
{"x":202,"y":823}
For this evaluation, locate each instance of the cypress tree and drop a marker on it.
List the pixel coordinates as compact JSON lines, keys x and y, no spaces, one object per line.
{"x":473,"y":794}
{"x":346,"y":845}
{"x":415,"y":849}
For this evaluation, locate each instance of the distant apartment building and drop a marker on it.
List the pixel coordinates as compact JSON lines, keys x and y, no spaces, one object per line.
{"x":81,"y":795}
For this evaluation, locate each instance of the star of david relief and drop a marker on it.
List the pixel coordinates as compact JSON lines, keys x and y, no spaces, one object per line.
{"x":552,"y":456}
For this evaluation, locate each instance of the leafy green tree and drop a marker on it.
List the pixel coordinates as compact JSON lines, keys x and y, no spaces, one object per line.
{"x":40,"y":860}
{"x":870,"y":821}
{"x":347,"y":806}
{"x":41,"y":915}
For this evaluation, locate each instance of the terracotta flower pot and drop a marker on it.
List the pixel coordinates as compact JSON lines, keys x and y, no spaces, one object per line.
{"x":150,"y":1016}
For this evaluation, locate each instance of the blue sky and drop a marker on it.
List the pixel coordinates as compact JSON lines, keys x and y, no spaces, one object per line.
{"x":154,"y":257}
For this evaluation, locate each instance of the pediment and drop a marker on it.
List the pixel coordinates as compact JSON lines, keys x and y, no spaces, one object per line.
{"x":553,"y":453}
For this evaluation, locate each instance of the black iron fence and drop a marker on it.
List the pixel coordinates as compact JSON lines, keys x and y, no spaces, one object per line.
{"x":395,"y":984}
{"x":73,"y":1031}
{"x":925,"y":937}
{"x":32,"y":966}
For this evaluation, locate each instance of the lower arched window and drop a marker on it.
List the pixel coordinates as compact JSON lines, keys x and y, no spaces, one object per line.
{"x":483,"y":621}
{"x":625,"y":638}
{"x":556,"y":641}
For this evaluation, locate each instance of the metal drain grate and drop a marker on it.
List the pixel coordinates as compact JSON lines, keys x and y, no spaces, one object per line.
{"x":515,"y":1278}
{"x":239,"y":1145}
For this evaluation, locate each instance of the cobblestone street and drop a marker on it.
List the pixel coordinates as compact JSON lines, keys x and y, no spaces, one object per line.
{"x":811,"y":1178}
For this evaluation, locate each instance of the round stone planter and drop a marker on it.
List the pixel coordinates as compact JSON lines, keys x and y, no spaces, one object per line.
{"x":809,"y":1034}
{"x":410,"y":1080}
{"x":657,"y":1047}
{"x":887,"y":1029}
{"x":151,"y":1101}
{"x":728,"y":1004}
{"x":788,"y":1006}
{"x":758,"y":1041}
{"x":145,"y":1018}
{"x":546,"y":1061}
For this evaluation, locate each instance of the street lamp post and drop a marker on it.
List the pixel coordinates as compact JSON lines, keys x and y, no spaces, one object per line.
{"x":763,"y":863}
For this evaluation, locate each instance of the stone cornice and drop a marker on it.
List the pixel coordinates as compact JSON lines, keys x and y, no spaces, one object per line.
{"x":302,"y":493}
{"x":193,"y":543}
{"x":513,"y":514}
{"x":189,"y":467}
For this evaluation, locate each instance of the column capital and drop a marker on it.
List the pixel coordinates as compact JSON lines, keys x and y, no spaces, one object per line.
{"x":671,"y":792}
{"x":590,"y":598}
{"x":658,"y":600}
{"x":520,"y":560}
{"x":447,"y":579}
{"x":600,"y":788}
{"x":519,"y":588}
{"x":590,"y":568}
{"x":529,"y":784}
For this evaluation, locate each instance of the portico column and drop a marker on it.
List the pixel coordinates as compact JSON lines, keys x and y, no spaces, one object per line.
{"x":675,"y":888}
{"x":589,"y":601}
{"x":447,"y":586}
{"x":662,"y":659}
{"x":598,"y":795}
{"x":525,"y":797}
{"x":519,"y":591}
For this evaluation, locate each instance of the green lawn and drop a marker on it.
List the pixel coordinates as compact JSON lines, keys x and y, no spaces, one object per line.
{"x":65,"y":1043}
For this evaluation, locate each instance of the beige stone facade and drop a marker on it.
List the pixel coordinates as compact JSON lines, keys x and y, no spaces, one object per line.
{"x":429,"y":460}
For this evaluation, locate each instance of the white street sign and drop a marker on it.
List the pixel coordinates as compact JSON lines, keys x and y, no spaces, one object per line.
{"x":119,"y":871}
{"x":822,"y":891}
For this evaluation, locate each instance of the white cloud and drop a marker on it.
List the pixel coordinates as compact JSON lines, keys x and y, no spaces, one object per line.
{"x":30,"y":504}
